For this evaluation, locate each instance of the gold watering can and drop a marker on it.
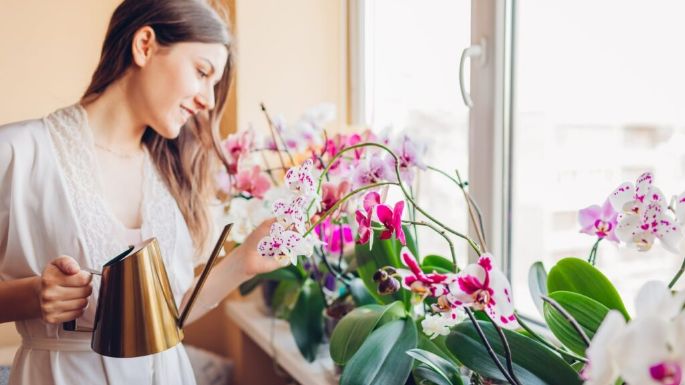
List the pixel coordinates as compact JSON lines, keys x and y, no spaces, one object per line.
{"x":136,"y":313}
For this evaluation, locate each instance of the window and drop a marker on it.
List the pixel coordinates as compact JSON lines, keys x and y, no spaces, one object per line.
{"x":574,"y":98}
{"x":598,"y":99}
{"x":410,"y":54}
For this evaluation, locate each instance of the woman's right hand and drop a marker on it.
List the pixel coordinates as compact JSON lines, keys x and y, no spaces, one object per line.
{"x":64,"y":290}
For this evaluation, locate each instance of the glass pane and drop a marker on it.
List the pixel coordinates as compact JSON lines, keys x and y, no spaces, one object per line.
{"x":412,"y":84}
{"x":598,"y":99}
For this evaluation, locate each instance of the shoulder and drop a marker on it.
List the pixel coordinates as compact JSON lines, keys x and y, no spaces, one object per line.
{"x":21,"y":133}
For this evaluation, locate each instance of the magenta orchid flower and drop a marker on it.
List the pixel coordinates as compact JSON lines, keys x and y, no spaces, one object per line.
{"x":483,"y":287}
{"x":418,"y":282}
{"x":283,"y":245}
{"x":335,"y":236}
{"x":644,"y":216}
{"x":392,"y":220}
{"x":599,"y":221}
{"x":364,"y":218}
{"x":253,"y":182}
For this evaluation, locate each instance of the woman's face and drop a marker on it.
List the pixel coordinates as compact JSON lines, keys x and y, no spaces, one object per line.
{"x":175,"y":83}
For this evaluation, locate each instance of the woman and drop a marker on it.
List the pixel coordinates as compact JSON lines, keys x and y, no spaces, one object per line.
{"x":132,"y":160}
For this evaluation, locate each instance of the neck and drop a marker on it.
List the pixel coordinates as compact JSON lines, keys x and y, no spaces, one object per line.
{"x":114,"y":122}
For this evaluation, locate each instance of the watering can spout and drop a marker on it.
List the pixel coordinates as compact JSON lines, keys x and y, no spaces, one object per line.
{"x":205,"y":273}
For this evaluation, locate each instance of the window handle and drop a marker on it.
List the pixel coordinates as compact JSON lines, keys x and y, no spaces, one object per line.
{"x":474,"y":51}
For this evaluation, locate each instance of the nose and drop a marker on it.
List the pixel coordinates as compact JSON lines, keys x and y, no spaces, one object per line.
{"x":205,"y":100}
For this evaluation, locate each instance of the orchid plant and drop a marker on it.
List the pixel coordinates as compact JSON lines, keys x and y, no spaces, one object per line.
{"x":425,"y":318}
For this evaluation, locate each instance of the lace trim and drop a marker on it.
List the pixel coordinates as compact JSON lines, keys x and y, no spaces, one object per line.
{"x":74,"y":145}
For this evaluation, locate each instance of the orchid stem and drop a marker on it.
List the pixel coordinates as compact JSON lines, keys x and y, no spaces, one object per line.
{"x":677,"y":276}
{"x":340,"y":202}
{"x":568,"y":318}
{"x":507,"y":349}
{"x":274,"y":134}
{"x":472,"y":216}
{"x":398,"y":183}
{"x":547,"y":343}
{"x":592,"y":258}
{"x":444,"y":235}
{"x":488,"y":347}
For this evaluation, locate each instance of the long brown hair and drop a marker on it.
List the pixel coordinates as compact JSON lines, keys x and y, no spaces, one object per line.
{"x":186,"y":163}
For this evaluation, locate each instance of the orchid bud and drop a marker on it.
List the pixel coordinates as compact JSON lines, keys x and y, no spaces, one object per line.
{"x":388,"y":286}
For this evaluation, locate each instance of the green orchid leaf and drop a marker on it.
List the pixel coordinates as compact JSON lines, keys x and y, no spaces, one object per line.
{"x":436,"y":263}
{"x":288,"y":273}
{"x":306,"y":320}
{"x":446,"y":372}
{"x":578,"y":276}
{"x":537,"y":284}
{"x":284,"y":298}
{"x":360,"y":293}
{"x":533,"y":363}
{"x":383,"y":358}
{"x":355,"y":327}
{"x":586,"y":311}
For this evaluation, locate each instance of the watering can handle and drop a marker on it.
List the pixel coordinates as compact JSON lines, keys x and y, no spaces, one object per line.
{"x":205,"y":273}
{"x":71,"y":326}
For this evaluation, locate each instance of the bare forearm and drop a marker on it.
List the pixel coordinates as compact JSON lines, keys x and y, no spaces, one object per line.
{"x":225,"y":277}
{"x":19,"y":299}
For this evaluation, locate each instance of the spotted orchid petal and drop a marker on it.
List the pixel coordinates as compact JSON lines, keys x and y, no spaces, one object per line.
{"x":291,"y":212}
{"x":300,"y":180}
{"x":281,"y":244}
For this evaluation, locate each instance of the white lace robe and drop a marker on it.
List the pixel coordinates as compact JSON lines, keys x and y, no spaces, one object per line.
{"x":51,"y":204}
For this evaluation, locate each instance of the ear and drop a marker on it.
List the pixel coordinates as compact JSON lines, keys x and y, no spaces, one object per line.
{"x":143,"y":45}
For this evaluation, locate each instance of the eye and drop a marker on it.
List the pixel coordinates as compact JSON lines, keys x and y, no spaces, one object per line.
{"x":202,"y":74}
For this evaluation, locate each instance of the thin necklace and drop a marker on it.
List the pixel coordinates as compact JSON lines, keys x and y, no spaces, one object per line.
{"x":115,"y":153}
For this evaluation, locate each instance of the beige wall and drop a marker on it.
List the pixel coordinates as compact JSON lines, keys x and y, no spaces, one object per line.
{"x":48,"y":50}
{"x":291,"y":55}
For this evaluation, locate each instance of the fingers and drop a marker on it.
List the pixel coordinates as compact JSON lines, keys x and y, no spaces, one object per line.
{"x":64,"y":291}
{"x":66,"y":265}
{"x":63,"y":317}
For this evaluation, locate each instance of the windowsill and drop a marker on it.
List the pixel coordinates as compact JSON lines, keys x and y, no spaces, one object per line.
{"x":275,"y":338}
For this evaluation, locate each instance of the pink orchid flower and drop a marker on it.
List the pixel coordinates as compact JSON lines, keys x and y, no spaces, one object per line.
{"x":364,"y":218}
{"x":372,"y":169}
{"x":300,"y":179}
{"x":599,"y":221}
{"x":253,"y":182}
{"x":335,"y":236}
{"x":282,"y":244}
{"x":644,"y":216}
{"x":415,"y":280}
{"x":409,"y":154}
{"x":392,"y":220}
{"x":237,"y":145}
{"x":331,"y":193}
{"x":483,"y":287}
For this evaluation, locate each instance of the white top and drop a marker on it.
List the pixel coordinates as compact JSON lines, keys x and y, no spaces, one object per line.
{"x":51,"y":203}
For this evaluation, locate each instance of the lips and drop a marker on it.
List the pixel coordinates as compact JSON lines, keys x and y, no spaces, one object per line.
{"x":187,"y":113}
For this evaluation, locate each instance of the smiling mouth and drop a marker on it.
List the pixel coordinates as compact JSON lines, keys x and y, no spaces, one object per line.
{"x":186,"y":113}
